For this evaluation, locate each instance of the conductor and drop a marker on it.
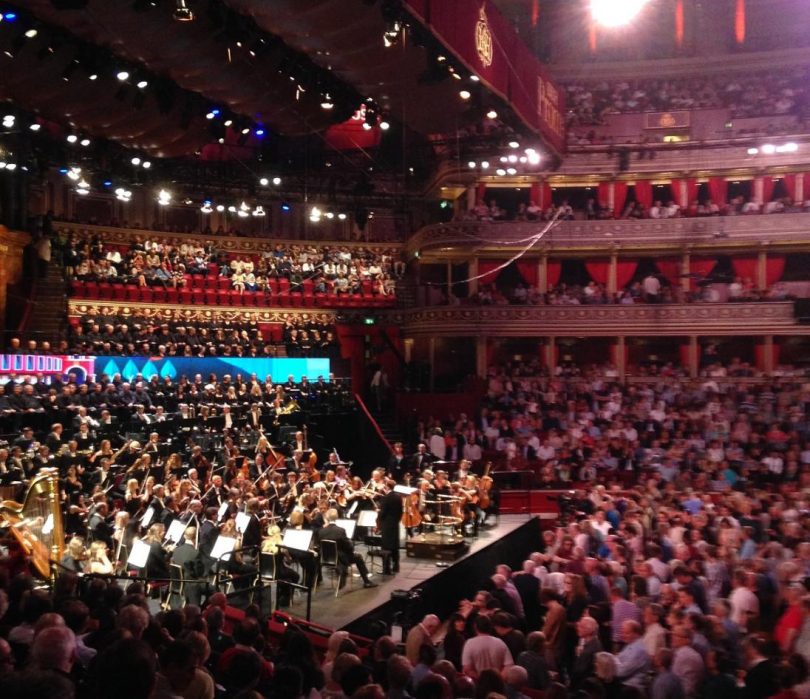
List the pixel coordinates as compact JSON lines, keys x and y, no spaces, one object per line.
{"x":388,"y":518}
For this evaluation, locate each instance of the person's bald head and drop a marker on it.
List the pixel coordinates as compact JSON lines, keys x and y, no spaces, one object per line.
{"x":431,"y":623}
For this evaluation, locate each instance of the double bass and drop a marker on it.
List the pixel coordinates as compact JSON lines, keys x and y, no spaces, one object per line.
{"x":411,"y":516}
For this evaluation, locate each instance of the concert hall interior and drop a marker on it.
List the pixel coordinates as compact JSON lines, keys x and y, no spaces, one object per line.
{"x":405,"y":349}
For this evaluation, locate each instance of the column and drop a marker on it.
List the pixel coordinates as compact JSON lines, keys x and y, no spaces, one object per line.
{"x":619,"y":356}
{"x":431,"y":360}
{"x":551,"y":354}
{"x":472,"y":273}
{"x":769,"y":364}
{"x":407,"y":347}
{"x":481,"y":356}
{"x":471,"y":197}
{"x":762,"y":270}
{"x":611,"y":280}
{"x":542,"y":274}
{"x":694,"y":356}
{"x":449,"y":289}
{"x":685,"y":269}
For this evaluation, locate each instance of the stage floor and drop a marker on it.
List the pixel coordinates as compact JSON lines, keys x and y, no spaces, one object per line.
{"x":355,"y":601}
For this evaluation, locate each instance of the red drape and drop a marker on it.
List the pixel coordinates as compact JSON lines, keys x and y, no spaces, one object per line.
{"x":352,"y":344}
{"x":684,"y":355}
{"x":480,"y":193}
{"x":739,"y":22}
{"x":603,"y":194}
{"x":486,"y":268}
{"x":745,"y":267}
{"x":767,"y":188}
{"x":528,"y":270}
{"x":644,"y":193}
{"x":541,"y":194}
{"x":684,"y":199}
{"x":679,"y":23}
{"x":718,"y":191}
{"x":774,"y":268}
{"x":598,"y":270}
{"x":625,"y":269}
{"x":759,"y":356}
{"x":536,"y":193}
{"x":553,"y":271}
{"x":789,"y":179}
{"x":670,"y":269}
{"x":619,"y":197}
{"x":699,"y":268}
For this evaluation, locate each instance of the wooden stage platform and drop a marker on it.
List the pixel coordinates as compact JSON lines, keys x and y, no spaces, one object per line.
{"x":355,"y":603}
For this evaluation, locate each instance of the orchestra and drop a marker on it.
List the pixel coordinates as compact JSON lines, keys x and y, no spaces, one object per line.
{"x":248,"y":479}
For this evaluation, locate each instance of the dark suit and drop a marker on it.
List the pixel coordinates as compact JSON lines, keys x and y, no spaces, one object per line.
{"x":761,"y":681}
{"x":583,"y":665}
{"x":345,"y":549}
{"x":253,"y":533}
{"x":388,"y":518}
{"x":421,"y":462}
{"x":189,"y":559}
{"x":528,"y":588}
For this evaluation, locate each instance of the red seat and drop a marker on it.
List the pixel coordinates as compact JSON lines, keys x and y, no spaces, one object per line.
{"x":172,"y":295}
{"x":272,"y":283}
{"x":367,"y":287}
{"x":296,"y":298}
{"x":210,"y":297}
{"x":147,"y":294}
{"x":77,"y":288}
{"x":223,"y":283}
{"x":321,"y":299}
{"x":223,"y":297}
{"x":332,"y":299}
{"x":235,"y":298}
{"x":119,"y":292}
{"x":185,"y":295}
{"x":308,"y":286}
{"x":104,"y":290}
{"x":211,"y":282}
{"x":91,"y":289}
{"x":133,"y":293}
{"x":283,"y":285}
{"x":198,"y":297}
{"x":213,"y":269}
{"x":159,"y":293}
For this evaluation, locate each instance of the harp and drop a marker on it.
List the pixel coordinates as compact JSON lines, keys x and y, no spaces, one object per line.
{"x":37,"y":522}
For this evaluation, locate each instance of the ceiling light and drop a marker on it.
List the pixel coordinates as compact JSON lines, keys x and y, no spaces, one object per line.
{"x":465,"y":94}
{"x":142,"y":84}
{"x":264,"y":181}
{"x":259,"y":132}
{"x":769,"y":149}
{"x":85,"y":142}
{"x":514,"y":144}
{"x":258,"y":211}
{"x":276,"y":181}
{"x":500,"y":172}
{"x":315,"y":214}
{"x":503,"y":159}
{"x":213,"y":113}
{"x":83,"y":192}
{"x":93,"y":76}
{"x":342,"y":217}
{"x":74,"y":173}
{"x":11,"y":167}
{"x":512,"y":158}
{"x":511,"y":171}
{"x":533,"y":158}
{"x":122,"y":75}
{"x":164,"y":197}
{"x":123,"y":194}
{"x":182,"y":13}
{"x":228,"y":122}
{"x":787,"y":148}
{"x":611,"y":14}
{"x":31,"y":33}
{"x":492,"y":114}
{"x":471,"y":165}
{"x":384,"y":125}
{"x":35,"y":127}
{"x":232,"y":209}
{"x":484,"y":164}
{"x":220,"y":207}
{"x":366,"y":126}
{"x":136,"y":161}
{"x":753,"y":151}
{"x":327,"y":102}
{"x":72,"y":138}
{"x":146,"y":164}
{"x":474,"y":78}
{"x":330,"y":215}
{"x":83,"y":184}
{"x":206,"y":208}
{"x":245,"y":131}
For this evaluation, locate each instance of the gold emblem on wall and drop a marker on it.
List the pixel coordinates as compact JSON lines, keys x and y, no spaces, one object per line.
{"x":483,"y":39}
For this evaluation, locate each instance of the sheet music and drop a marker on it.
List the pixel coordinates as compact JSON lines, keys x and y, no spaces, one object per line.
{"x":347,"y":525}
{"x":139,"y":554}
{"x":176,"y":530}
{"x":367,"y":518}
{"x":223,"y":508}
{"x":404,"y":489}
{"x":146,"y":520}
{"x":222,"y":548}
{"x":297,"y":539}
{"x":242,"y":521}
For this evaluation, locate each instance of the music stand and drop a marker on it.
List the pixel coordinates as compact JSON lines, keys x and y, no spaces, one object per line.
{"x":223,"y":547}
{"x":348,"y":526}
{"x":175,"y":532}
{"x":223,"y":508}
{"x":139,"y":554}
{"x":297,"y":539}
{"x":242,"y":521}
{"x":367,"y":518}
{"x":147,"y":516}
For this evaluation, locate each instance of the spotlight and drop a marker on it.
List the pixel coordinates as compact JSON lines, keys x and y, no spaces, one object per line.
{"x":93,"y":76}
{"x":465,"y":94}
{"x":35,"y":127}
{"x":342,"y":217}
{"x":503,"y":159}
{"x":533,"y":157}
{"x":123,"y":194}
{"x":142,"y":84}
{"x":384,"y":125}
{"x":522,"y":158}
{"x":787,"y":148}
{"x":612,"y":14}
{"x":471,"y":165}
{"x":242,"y":214}
{"x":228,"y":122}
{"x":484,"y":164}
{"x":512,"y":158}
{"x":259,"y":132}
{"x":315,"y":214}
{"x":83,"y":192}
{"x":164,"y":197}
{"x":286,"y":208}
{"x":514,"y":144}
{"x":366,"y":126}
{"x":74,"y":173}
{"x":72,"y":138}
{"x":107,"y":183}
{"x":85,"y":142}
{"x":8,"y":120}
{"x":182,"y":13}
{"x":2,"y":164}
{"x":122,"y":75}
{"x":511,"y":171}
{"x":327,"y":102}
{"x":492,"y":114}
{"x":10,"y":16}
{"x":500,"y":172}
{"x":212,"y":114}
{"x":146,"y":164}
{"x":220,"y":207}
{"x":11,"y":167}
{"x":769,"y":149}
{"x":276,"y":181}
{"x":330,"y":215}
{"x":206,"y":208}
{"x":31,"y":33}
{"x":264,"y":181}
{"x":245,"y":131}
{"x":753,"y":151}
{"x":135,"y":161}
{"x":83,"y":184}
{"x":475,"y":78}
{"x":258,"y":211}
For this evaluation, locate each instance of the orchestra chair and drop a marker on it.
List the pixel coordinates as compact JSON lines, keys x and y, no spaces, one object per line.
{"x":329,"y":559}
{"x":375,"y":550}
{"x":177,"y":587}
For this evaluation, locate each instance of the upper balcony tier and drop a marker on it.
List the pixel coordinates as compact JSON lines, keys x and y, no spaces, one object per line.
{"x":731,"y":233}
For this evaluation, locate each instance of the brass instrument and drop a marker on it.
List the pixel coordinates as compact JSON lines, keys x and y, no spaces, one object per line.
{"x":289,"y":409}
{"x":37,"y":522}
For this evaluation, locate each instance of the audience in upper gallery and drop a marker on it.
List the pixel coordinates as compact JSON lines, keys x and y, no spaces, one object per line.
{"x":170,"y":262}
{"x":745,"y":95}
{"x":137,"y":334}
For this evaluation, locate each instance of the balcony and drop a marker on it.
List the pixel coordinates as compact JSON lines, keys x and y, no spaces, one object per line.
{"x":731,"y":233}
{"x":765,"y":318}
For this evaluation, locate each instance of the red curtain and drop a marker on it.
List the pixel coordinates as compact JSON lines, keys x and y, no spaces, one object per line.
{"x":536,"y":194}
{"x":528,"y":270}
{"x":774,"y":268}
{"x":352,"y":346}
{"x":625,"y":269}
{"x":767,"y":188}
{"x":670,"y":269}
{"x":541,"y":194}
{"x":739,"y":22}
{"x":759,"y":356}
{"x":679,"y":23}
{"x":789,"y":180}
{"x":480,"y":193}
{"x":598,"y":270}
{"x":644,"y":193}
{"x":684,"y":199}
{"x":553,"y":271}
{"x":699,"y":268}
{"x":745,"y":267}
{"x":603,"y":194}
{"x":685,"y":355}
{"x":486,"y":268}
{"x":718,"y":191}
{"x":619,"y":197}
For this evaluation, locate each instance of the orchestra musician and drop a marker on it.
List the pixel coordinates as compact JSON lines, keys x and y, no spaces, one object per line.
{"x":345,"y":550}
{"x":421,"y":459}
{"x":298,"y":443}
{"x":187,"y":556}
{"x":398,"y":463}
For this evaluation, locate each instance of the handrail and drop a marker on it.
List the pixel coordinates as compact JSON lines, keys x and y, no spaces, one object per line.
{"x":373,"y":422}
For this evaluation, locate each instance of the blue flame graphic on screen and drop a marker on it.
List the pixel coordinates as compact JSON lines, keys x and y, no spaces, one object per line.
{"x":173,"y":367}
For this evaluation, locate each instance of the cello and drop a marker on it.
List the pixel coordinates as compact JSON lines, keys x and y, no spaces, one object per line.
{"x":411,"y":516}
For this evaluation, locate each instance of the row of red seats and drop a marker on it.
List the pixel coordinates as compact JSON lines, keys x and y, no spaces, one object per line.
{"x":195,"y":295}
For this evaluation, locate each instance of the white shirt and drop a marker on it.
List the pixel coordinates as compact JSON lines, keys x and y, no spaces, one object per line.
{"x":486,"y":653}
{"x":743,"y":602}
